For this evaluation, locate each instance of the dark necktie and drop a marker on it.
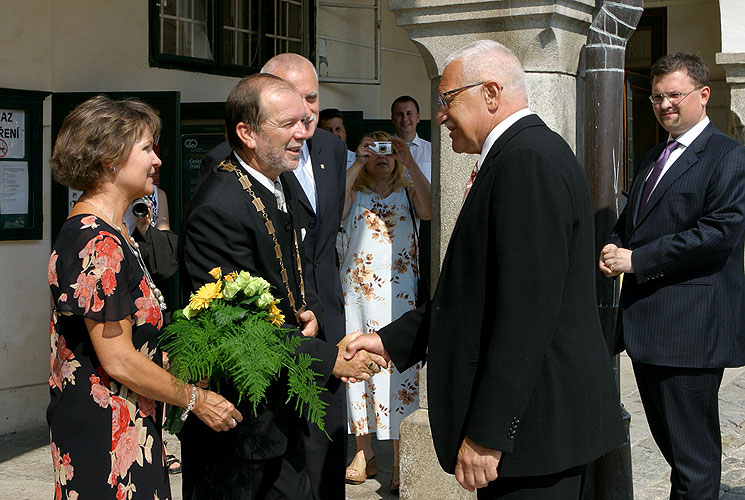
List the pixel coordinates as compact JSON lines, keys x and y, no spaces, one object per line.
{"x":280,"y":195}
{"x":651,"y":181}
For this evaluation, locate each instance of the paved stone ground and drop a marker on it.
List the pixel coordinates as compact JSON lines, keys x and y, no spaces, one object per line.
{"x":26,"y":469}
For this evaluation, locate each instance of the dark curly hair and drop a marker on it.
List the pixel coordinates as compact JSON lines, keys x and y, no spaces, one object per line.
{"x":98,"y":133}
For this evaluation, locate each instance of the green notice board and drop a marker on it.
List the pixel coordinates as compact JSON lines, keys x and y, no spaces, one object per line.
{"x":196,"y":140}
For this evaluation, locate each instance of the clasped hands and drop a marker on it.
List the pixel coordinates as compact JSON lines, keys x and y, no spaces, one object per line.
{"x":615,"y":260}
{"x":358,"y":358}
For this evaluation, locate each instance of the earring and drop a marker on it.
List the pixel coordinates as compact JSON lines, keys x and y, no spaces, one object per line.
{"x":112,"y":169}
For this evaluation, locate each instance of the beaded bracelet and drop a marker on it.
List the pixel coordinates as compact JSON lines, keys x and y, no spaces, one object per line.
{"x":191,"y":403}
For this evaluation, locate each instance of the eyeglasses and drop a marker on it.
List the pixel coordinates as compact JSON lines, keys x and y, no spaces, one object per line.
{"x":443,"y":101}
{"x":675,"y":98}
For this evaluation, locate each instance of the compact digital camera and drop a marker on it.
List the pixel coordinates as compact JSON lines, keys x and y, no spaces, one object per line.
{"x":383,"y":147}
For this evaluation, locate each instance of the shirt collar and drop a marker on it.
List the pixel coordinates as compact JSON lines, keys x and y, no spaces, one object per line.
{"x":261,"y":178}
{"x":689,"y":136}
{"x":416,"y":141}
{"x":500,"y":129}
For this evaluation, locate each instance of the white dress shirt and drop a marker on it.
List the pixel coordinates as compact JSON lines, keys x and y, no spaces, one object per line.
{"x":421,"y":151}
{"x":500,"y":129}
{"x":351,"y":157}
{"x":261,"y":178}
{"x":304,"y":174}
{"x":684,"y":140}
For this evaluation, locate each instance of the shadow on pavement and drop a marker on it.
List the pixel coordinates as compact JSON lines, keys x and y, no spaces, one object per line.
{"x":18,"y":443}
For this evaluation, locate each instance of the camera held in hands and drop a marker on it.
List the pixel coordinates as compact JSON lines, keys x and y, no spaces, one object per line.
{"x":140,"y":208}
{"x":382,"y":147}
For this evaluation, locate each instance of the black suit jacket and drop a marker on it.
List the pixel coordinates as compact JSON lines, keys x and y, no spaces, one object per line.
{"x":328,"y":157}
{"x":684,"y":305}
{"x":224,"y":229}
{"x":516,"y":358}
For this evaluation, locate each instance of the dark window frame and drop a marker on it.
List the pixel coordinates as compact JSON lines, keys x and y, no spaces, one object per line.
{"x":217,"y":66}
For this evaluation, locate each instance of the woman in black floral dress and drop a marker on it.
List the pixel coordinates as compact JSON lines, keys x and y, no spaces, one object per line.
{"x":106,"y":316}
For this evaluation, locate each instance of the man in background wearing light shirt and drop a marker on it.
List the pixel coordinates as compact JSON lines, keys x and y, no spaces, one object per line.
{"x":405,"y":117}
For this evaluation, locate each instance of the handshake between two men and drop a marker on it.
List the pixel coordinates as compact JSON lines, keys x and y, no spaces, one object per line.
{"x":360,"y":361}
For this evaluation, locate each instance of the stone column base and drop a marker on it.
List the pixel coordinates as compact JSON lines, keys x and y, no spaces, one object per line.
{"x":425,"y":479}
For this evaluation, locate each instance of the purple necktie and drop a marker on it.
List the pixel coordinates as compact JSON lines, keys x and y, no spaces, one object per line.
{"x":655,"y":175}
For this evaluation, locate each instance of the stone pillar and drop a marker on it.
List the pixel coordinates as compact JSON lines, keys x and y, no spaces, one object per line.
{"x":547,"y":36}
{"x":610,"y":476}
{"x":732,"y":58}
{"x":734,"y":68}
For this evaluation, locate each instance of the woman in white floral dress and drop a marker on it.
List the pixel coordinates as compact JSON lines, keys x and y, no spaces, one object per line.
{"x":379,"y":279}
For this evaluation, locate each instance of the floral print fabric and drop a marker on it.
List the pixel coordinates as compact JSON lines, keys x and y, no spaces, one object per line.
{"x":106,"y":439}
{"x":379,"y":277}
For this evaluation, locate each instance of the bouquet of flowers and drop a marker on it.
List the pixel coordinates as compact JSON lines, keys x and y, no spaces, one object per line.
{"x":231,"y":333}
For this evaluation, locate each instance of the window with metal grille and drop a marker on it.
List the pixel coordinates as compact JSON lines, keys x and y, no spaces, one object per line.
{"x":232,"y":37}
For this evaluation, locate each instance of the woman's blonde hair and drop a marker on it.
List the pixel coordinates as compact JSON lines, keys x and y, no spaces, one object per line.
{"x":99,"y":131}
{"x":363,"y":182}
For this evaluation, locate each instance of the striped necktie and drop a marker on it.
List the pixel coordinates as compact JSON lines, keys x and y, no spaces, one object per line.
{"x":654,"y":177}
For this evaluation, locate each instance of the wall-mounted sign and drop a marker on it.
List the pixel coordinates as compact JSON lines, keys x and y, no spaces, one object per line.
{"x":21,"y":147}
{"x":12,"y":133}
{"x":15,"y":188}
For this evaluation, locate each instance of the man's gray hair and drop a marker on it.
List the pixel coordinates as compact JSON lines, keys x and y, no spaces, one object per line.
{"x":490,"y":60}
{"x":288,"y":62}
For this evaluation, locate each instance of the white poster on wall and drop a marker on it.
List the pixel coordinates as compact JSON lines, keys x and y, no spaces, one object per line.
{"x":13,"y":187}
{"x":12,"y":134}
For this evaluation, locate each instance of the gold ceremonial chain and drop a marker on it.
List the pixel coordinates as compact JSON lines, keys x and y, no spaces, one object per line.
{"x":246,"y":183}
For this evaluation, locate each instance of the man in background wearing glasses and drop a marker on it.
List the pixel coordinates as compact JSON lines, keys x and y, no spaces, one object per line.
{"x":521,"y":394}
{"x":680,"y":243}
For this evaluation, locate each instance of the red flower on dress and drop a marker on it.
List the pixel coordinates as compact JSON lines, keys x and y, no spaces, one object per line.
{"x":66,"y":463}
{"x":109,"y":253}
{"x":86,"y":285}
{"x":119,"y":420}
{"x":63,"y":472}
{"x":97,"y":303}
{"x":108,"y":282}
{"x":126,"y":452}
{"x":63,"y":362}
{"x":52,"y":269}
{"x":121,"y":492}
{"x":55,"y":456}
{"x":148,"y":307}
{"x":89,"y":221}
{"x":99,"y":392}
{"x":102,"y":257}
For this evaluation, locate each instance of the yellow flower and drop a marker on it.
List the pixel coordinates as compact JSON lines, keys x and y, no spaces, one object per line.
{"x":231,"y":276}
{"x":216,"y":272}
{"x":202,"y":298}
{"x":278,"y":319}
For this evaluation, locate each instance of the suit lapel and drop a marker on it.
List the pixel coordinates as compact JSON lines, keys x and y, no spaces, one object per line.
{"x":291,"y":180}
{"x":638,"y":186}
{"x":681,"y":165}
{"x":319,"y":170}
{"x":517,"y":127}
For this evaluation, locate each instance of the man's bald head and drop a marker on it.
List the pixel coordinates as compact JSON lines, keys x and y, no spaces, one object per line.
{"x":300,"y":72}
